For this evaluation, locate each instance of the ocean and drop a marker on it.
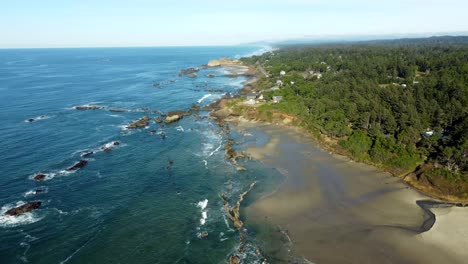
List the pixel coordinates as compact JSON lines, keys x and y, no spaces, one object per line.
{"x":148,"y":199}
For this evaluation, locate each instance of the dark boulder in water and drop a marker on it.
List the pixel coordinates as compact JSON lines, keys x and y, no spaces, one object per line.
{"x":116,"y":143}
{"x":118,"y":110}
{"x":87,"y":107}
{"x":39,"y":177}
{"x":188,"y":71}
{"x":140,"y":123}
{"x":158,"y":119}
{"x":204,"y":234}
{"x":31,"y":120}
{"x":38,"y":191}
{"x":87,"y":154}
{"x":80,"y":164}
{"x":23,"y":208}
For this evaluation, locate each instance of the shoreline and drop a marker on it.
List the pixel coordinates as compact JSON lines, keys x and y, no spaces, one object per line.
{"x":429,"y":234}
{"x":324,"y":142}
{"x":418,"y":232}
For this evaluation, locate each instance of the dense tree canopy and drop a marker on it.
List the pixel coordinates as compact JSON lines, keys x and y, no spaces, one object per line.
{"x":392,"y":102}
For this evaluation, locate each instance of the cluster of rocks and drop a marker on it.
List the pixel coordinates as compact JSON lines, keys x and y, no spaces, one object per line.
{"x":140,"y":123}
{"x":189,"y":71}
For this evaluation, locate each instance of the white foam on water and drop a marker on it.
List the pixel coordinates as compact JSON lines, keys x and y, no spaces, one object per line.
{"x":202,"y":204}
{"x":206,"y":164}
{"x":17,"y":220}
{"x":204,"y":214}
{"x":216,"y":150}
{"x":33,"y":192}
{"x":203,"y":98}
{"x":180,"y":128}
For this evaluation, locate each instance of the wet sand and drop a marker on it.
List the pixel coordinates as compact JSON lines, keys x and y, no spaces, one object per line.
{"x":333,"y":210}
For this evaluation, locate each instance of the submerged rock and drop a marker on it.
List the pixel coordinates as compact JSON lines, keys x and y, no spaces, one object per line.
{"x":24,"y":208}
{"x":87,"y":154}
{"x":210,"y":75}
{"x":118,"y":110}
{"x":158,"y":120}
{"x":140,"y":123}
{"x":39,"y":177}
{"x":87,"y":107}
{"x":80,"y":164}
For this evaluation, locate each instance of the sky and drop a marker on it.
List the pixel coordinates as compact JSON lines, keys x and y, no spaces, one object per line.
{"x":117,"y":23}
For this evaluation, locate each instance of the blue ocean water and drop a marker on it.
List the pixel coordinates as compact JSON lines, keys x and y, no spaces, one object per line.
{"x":130,"y":204}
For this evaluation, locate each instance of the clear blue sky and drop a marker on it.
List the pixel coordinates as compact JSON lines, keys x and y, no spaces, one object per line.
{"x":79,"y":23}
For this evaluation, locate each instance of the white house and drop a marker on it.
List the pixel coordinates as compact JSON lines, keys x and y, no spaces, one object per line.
{"x":282,"y":73}
{"x":277,"y":99}
{"x":250,"y":99}
{"x":279,"y":83}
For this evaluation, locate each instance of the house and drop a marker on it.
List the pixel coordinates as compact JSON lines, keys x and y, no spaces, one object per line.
{"x":279,"y":83}
{"x":274,"y":88}
{"x":277,"y":99}
{"x":282,"y":73}
{"x":428,"y":132}
{"x":250,"y":98}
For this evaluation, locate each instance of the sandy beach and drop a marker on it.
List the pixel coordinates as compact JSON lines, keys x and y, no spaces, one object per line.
{"x":333,"y":210}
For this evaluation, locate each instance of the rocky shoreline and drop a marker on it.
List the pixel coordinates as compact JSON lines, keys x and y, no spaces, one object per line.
{"x":232,"y":110}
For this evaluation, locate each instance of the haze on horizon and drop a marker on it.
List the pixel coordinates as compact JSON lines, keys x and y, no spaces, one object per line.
{"x":117,"y":23}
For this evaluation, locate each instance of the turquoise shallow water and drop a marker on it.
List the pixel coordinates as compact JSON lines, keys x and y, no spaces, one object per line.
{"x":125,"y":206}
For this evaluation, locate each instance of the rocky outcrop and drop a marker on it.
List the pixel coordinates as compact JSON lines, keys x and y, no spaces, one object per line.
{"x":180,"y":113}
{"x":233,"y":212}
{"x":188,"y":71}
{"x":224,"y":62}
{"x":234,"y":259}
{"x":193,"y":75}
{"x":24,"y":208}
{"x":172,"y":118}
{"x":140,"y":123}
{"x":39,"y":177}
{"x":80,"y":164}
{"x":87,"y":107}
{"x":210,"y":75}
{"x":158,"y":120}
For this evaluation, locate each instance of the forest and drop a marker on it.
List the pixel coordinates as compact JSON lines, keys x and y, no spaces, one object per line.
{"x":398,"y":103}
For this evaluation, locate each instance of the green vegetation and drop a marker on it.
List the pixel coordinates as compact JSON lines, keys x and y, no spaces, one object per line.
{"x":393,"y":103}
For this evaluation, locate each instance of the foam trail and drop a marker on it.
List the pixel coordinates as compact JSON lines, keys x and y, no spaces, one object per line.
{"x":203,"y":98}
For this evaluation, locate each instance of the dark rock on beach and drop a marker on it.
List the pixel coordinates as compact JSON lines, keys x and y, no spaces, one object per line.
{"x":39,"y":177}
{"x":23,"y":208}
{"x":80,"y":164}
